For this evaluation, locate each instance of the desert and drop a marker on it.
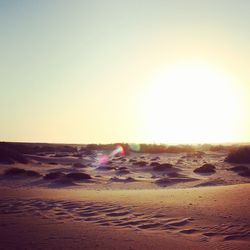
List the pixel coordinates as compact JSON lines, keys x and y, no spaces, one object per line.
{"x":67,"y":195}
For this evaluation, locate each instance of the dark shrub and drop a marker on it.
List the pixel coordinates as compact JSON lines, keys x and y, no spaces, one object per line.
{"x":122,"y":168}
{"x":155,"y":164}
{"x":9,"y":156}
{"x":241,"y":155}
{"x":140,"y":163}
{"x":12,"y":172}
{"x":79,"y":165}
{"x":130,"y":179}
{"x":53,"y":175}
{"x":110,"y":167}
{"x":132,"y":160}
{"x":174,"y":174}
{"x":238,"y":168}
{"x":123,"y":171}
{"x":32,"y":173}
{"x":163,"y":167}
{"x":155,"y":158}
{"x":205,"y":169}
{"x":245,"y":173}
{"x":78,"y":176}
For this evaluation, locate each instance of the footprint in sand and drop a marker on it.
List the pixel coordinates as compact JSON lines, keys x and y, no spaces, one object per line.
{"x":117,"y":214}
{"x":189,"y":231}
{"x":150,"y":226}
{"x":106,"y":214}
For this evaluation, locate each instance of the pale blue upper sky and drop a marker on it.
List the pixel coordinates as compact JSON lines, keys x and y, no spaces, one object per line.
{"x":72,"y":71}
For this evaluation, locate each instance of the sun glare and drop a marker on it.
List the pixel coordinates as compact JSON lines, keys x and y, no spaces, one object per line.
{"x":190,"y":103}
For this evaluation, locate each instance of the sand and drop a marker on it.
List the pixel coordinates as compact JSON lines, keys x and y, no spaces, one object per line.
{"x":195,"y":218}
{"x":130,"y":210}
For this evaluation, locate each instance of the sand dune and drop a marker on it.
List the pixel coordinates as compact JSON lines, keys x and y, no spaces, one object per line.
{"x":215,"y":217}
{"x":65,"y":200}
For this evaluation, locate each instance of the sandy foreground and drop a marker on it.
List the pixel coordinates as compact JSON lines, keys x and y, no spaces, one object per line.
{"x":69,"y":197}
{"x":190,"y":218}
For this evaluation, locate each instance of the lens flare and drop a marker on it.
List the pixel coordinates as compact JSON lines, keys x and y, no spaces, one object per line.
{"x":103,"y":159}
{"x":119,"y":150}
{"x":135,"y":147}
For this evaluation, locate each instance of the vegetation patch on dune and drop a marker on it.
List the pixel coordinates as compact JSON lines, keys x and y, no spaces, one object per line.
{"x":239,"y":168}
{"x":241,"y":155}
{"x":163,"y":167}
{"x":78,"y":176}
{"x":205,"y":169}
{"x":53,"y":175}
{"x":79,"y":165}
{"x":19,"y":172}
{"x":10,"y":156}
{"x":243,"y":171}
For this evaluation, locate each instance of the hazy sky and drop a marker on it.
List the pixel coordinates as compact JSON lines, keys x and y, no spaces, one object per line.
{"x":79,"y":71}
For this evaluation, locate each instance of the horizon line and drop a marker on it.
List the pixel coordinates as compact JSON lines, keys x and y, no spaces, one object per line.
{"x":110,"y":143}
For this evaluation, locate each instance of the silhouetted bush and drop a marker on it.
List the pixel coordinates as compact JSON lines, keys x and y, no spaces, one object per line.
{"x":155,"y":164}
{"x":53,"y":175}
{"x":10,"y":156}
{"x":140,"y":163}
{"x":52,"y":163}
{"x":245,"y":173}
{"x":238,"y":168}
{"x":122,"y":171}
{"x":241,"y":155}
{"x":79,"y":165}
{"x":163,"y":167}
{"x":205,"y":169}
{"x":32,"y":173}
{"x":12,"y":172}
{"x":78,"y":176}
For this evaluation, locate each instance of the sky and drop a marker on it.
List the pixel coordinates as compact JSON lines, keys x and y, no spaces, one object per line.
{"x":148,"y":71}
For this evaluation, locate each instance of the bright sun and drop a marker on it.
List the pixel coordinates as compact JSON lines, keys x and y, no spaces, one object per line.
{"x":190,"y":103}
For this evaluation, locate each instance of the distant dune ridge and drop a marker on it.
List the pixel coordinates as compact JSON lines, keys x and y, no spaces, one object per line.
{"x":124,"y":197}
{"x":149,"y":165}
